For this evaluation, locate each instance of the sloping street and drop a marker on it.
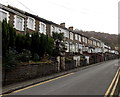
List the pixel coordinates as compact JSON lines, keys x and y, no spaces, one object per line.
{"x":91,"y":81}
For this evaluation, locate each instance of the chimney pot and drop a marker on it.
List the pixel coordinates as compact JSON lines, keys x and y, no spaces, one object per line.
{"x":62,"y":24}
{"x":71,"y":28}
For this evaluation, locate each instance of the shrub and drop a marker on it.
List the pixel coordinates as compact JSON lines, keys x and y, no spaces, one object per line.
{"x":20,"y":42}
{"x":8,"y":36}
{"x":59,"y":48}
{"x":36,"y":57}
{"x":25,"y":56}
{"x":68,"y":60}
{"x":9,"y":60}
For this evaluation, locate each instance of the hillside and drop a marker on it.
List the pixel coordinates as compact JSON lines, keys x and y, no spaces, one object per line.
{"x":108,"y":39}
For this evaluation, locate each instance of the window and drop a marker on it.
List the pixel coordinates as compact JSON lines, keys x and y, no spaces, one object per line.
{"x":83,"y":39}
{"x":88,"y":41}
{"x":53,"y":29}
{"x":85,"y":48}
{"x":79,"y":38}
{"x":76,"y":48}
{"x":76,"y":37}
{"x":67,"y":45}
{"x":59,"y":31}
{"x":91,"y":42}
{"x":4,"y":15}
{"x":19,"y":23}
{"x":94,"y":43}
{"x":31,"y":23}
{"x":98,"y":44}
{"x":71,"y":35}
{"x":72,"y":47}
{"x":42,"y":28}
{"x":80,"y":46}
{"x":66,"y":34}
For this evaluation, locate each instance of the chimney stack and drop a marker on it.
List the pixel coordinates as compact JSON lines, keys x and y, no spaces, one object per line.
{"x":71,"y":28}
{"x":62,"y":24}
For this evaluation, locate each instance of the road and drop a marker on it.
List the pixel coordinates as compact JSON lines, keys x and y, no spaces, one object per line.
{"x":90,"y":81}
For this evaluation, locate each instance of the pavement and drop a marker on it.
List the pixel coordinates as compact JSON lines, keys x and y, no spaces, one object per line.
{"x":93,"y":81}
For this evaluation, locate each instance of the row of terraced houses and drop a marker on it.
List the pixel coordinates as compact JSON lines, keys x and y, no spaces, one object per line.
{"x":77,"y":44}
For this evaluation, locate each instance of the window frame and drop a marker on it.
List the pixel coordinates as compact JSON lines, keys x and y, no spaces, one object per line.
{"x":76,"y":36}
{"x":15,"y":22}
{"x":68,"y":46}
{"x":83,"y":39}
{"x":79,"y":38}
{"x":86,"y":40}
{"x":71,"y":37}
{"x":53,"y":29}
{"x":3,"y":11}
{"x":40,"y":28}
{"x":28,"y":25}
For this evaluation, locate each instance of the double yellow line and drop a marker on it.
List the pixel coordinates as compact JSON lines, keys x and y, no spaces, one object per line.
{"x":111,"y":90}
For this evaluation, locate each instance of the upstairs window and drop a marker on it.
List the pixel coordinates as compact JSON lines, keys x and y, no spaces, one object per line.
{"x":76,"y":37}
{"x":98,"y":44}
{"x":66,"y":34}
{"x":91,"y":42}
{"x":19,"y":23}
{"x":59,"y":31}
{"x":79,"y":38}
{"x":4,"y":15}
{"x":31,"y":23}
{"x":94,"y":43}
{"x":71,"y":35}
{"x":85,"y":40}
{"x":53,"y":29}
{"x":42,"y":28}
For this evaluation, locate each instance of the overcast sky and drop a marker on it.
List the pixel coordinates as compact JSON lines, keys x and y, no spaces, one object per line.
{"x":89,"y":15}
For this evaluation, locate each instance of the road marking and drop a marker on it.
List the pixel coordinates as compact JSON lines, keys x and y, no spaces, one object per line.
{"x":38,"y":84}
{"x":113,"y":90}
{"x":106,"y":94}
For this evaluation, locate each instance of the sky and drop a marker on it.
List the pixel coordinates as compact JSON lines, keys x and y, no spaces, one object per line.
{"x":87,"y":15}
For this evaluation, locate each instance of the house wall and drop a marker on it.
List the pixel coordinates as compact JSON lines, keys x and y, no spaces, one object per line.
{"x":11,"y":19}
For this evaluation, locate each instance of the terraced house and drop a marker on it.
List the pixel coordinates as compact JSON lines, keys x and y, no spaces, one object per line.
{"x":78,"y":45}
